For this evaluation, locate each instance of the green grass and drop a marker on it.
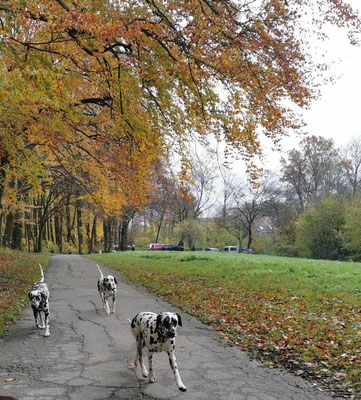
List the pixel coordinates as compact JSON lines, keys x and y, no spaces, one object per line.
{"x":305,"y":314}
{"x":18,"y":272}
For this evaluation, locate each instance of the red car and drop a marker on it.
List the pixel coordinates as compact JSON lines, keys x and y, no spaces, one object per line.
{"x":155,"y":246}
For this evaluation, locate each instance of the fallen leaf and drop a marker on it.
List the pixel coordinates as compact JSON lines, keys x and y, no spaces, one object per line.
{"x":9,"y":379}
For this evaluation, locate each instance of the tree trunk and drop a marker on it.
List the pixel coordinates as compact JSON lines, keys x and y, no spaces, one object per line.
{"x":59,"y":232}
{"x":250,"y":238}
{"x":92,"y":235}
{"x":39,"y":245}
{"x":3,"y":162}
{"x":106,"y":234}
{"x":111,"y":234}
{"x":29,"y":236}
{"x":51,"y":220}
{"x":17,"y":232}
{"x":79,"y":226}
{"x":158,"y":228}
{"x":10,"y":220}
{"x":68,"y":221}
{"x":124,"y":236}
{"x":9,"y":228}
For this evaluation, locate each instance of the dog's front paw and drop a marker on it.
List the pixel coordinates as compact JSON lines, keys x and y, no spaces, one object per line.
{"x":182,"y":388}
{"x":46,"y":334}
{"x":151,"y":378}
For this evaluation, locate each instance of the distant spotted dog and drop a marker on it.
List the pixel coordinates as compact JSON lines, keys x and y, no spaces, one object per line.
{"x":39,"y":297}
{"x":107,"y":287}
{"x":157,"y":333}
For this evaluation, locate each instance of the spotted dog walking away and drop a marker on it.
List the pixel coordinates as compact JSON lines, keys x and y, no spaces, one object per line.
{"x":39,"y":297}
{"x":107,"y":287}
{"x":157,"y":333}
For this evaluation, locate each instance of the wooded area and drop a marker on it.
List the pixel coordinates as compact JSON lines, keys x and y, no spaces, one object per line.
{"x":96,"y":97}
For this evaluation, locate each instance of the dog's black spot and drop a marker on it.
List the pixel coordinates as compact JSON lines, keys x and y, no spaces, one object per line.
{"x":152,"y":341}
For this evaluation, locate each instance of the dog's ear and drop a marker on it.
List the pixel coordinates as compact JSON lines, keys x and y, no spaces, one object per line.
{"x":159,"y":321}
{"x":115,"y":280}
{"x":179,"y":320}
{"x":43,"y":296}
{"x":29,"y":294}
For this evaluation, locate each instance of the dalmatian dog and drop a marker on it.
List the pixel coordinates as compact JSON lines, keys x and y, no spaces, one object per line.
{"x":157,"y":333}
{"x":107,"y":287}
{"x":39,"y":298}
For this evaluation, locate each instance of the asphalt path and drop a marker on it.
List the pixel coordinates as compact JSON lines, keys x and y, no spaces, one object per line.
{"x":88,"y":354}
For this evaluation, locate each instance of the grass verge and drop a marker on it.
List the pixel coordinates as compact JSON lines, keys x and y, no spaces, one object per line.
{"x":302,"y":314}
{"x":18,"y":272}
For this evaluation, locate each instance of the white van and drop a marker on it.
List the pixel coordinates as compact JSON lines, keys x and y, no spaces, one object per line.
{"x":229,"y":249}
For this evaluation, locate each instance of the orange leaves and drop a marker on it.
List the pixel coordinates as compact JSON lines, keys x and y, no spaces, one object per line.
{"x":120,"y":83}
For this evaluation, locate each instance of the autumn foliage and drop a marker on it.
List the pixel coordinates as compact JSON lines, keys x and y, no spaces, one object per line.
{"x":92,"y":93}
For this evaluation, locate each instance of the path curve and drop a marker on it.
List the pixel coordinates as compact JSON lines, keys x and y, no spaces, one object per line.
{"x":86,"y":357}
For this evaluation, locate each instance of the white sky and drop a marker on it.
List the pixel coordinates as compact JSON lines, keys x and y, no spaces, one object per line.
{"x":337,"y":114}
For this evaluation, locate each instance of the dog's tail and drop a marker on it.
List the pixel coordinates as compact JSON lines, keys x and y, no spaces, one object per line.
{"x":101,"y":273}
{"x":42,"y":274}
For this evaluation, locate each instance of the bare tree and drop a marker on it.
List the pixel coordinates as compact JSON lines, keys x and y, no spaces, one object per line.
{"x":228,"y":217}
{"x":314,"y":171}
{"x":202,"y":189}
{"x":250,"y":203}
{"x":352,"y":164}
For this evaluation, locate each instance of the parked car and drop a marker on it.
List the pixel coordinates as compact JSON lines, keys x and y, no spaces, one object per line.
{"x":247,"y":251}
{"x":229,"y":249}
{"x":172,"y":247}
{"x":155,"y":246}
{"x":210,"y":249}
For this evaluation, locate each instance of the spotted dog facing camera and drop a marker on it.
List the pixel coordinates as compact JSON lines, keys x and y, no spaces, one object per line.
{"x":39,"y":298}
{"x":157,"y":333}
{"x":107,"y":287}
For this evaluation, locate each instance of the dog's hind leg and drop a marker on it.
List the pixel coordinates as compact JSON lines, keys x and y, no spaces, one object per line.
{"x":173,"y":364}
{"x":41,"y":324}
{"x":114,"y":300}
{"x":139,"y":356}
{"x":47,"y":326}
{"x":36,"y":316}
{"x":151,"y":377}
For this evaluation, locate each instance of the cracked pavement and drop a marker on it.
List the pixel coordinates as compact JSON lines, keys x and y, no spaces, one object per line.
{"x":87,"y":354}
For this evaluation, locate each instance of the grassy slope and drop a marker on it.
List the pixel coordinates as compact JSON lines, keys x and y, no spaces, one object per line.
{"x":301,"y":313}
{"x":18,"y":271}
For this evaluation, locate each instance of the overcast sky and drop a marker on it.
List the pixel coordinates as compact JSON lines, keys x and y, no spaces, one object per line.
{"x":337,"y":114}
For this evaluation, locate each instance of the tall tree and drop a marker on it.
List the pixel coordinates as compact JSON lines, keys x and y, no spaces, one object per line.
{"x":150,"y":72}
{"x":313,"y":171}
{"x":352,"y":164}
